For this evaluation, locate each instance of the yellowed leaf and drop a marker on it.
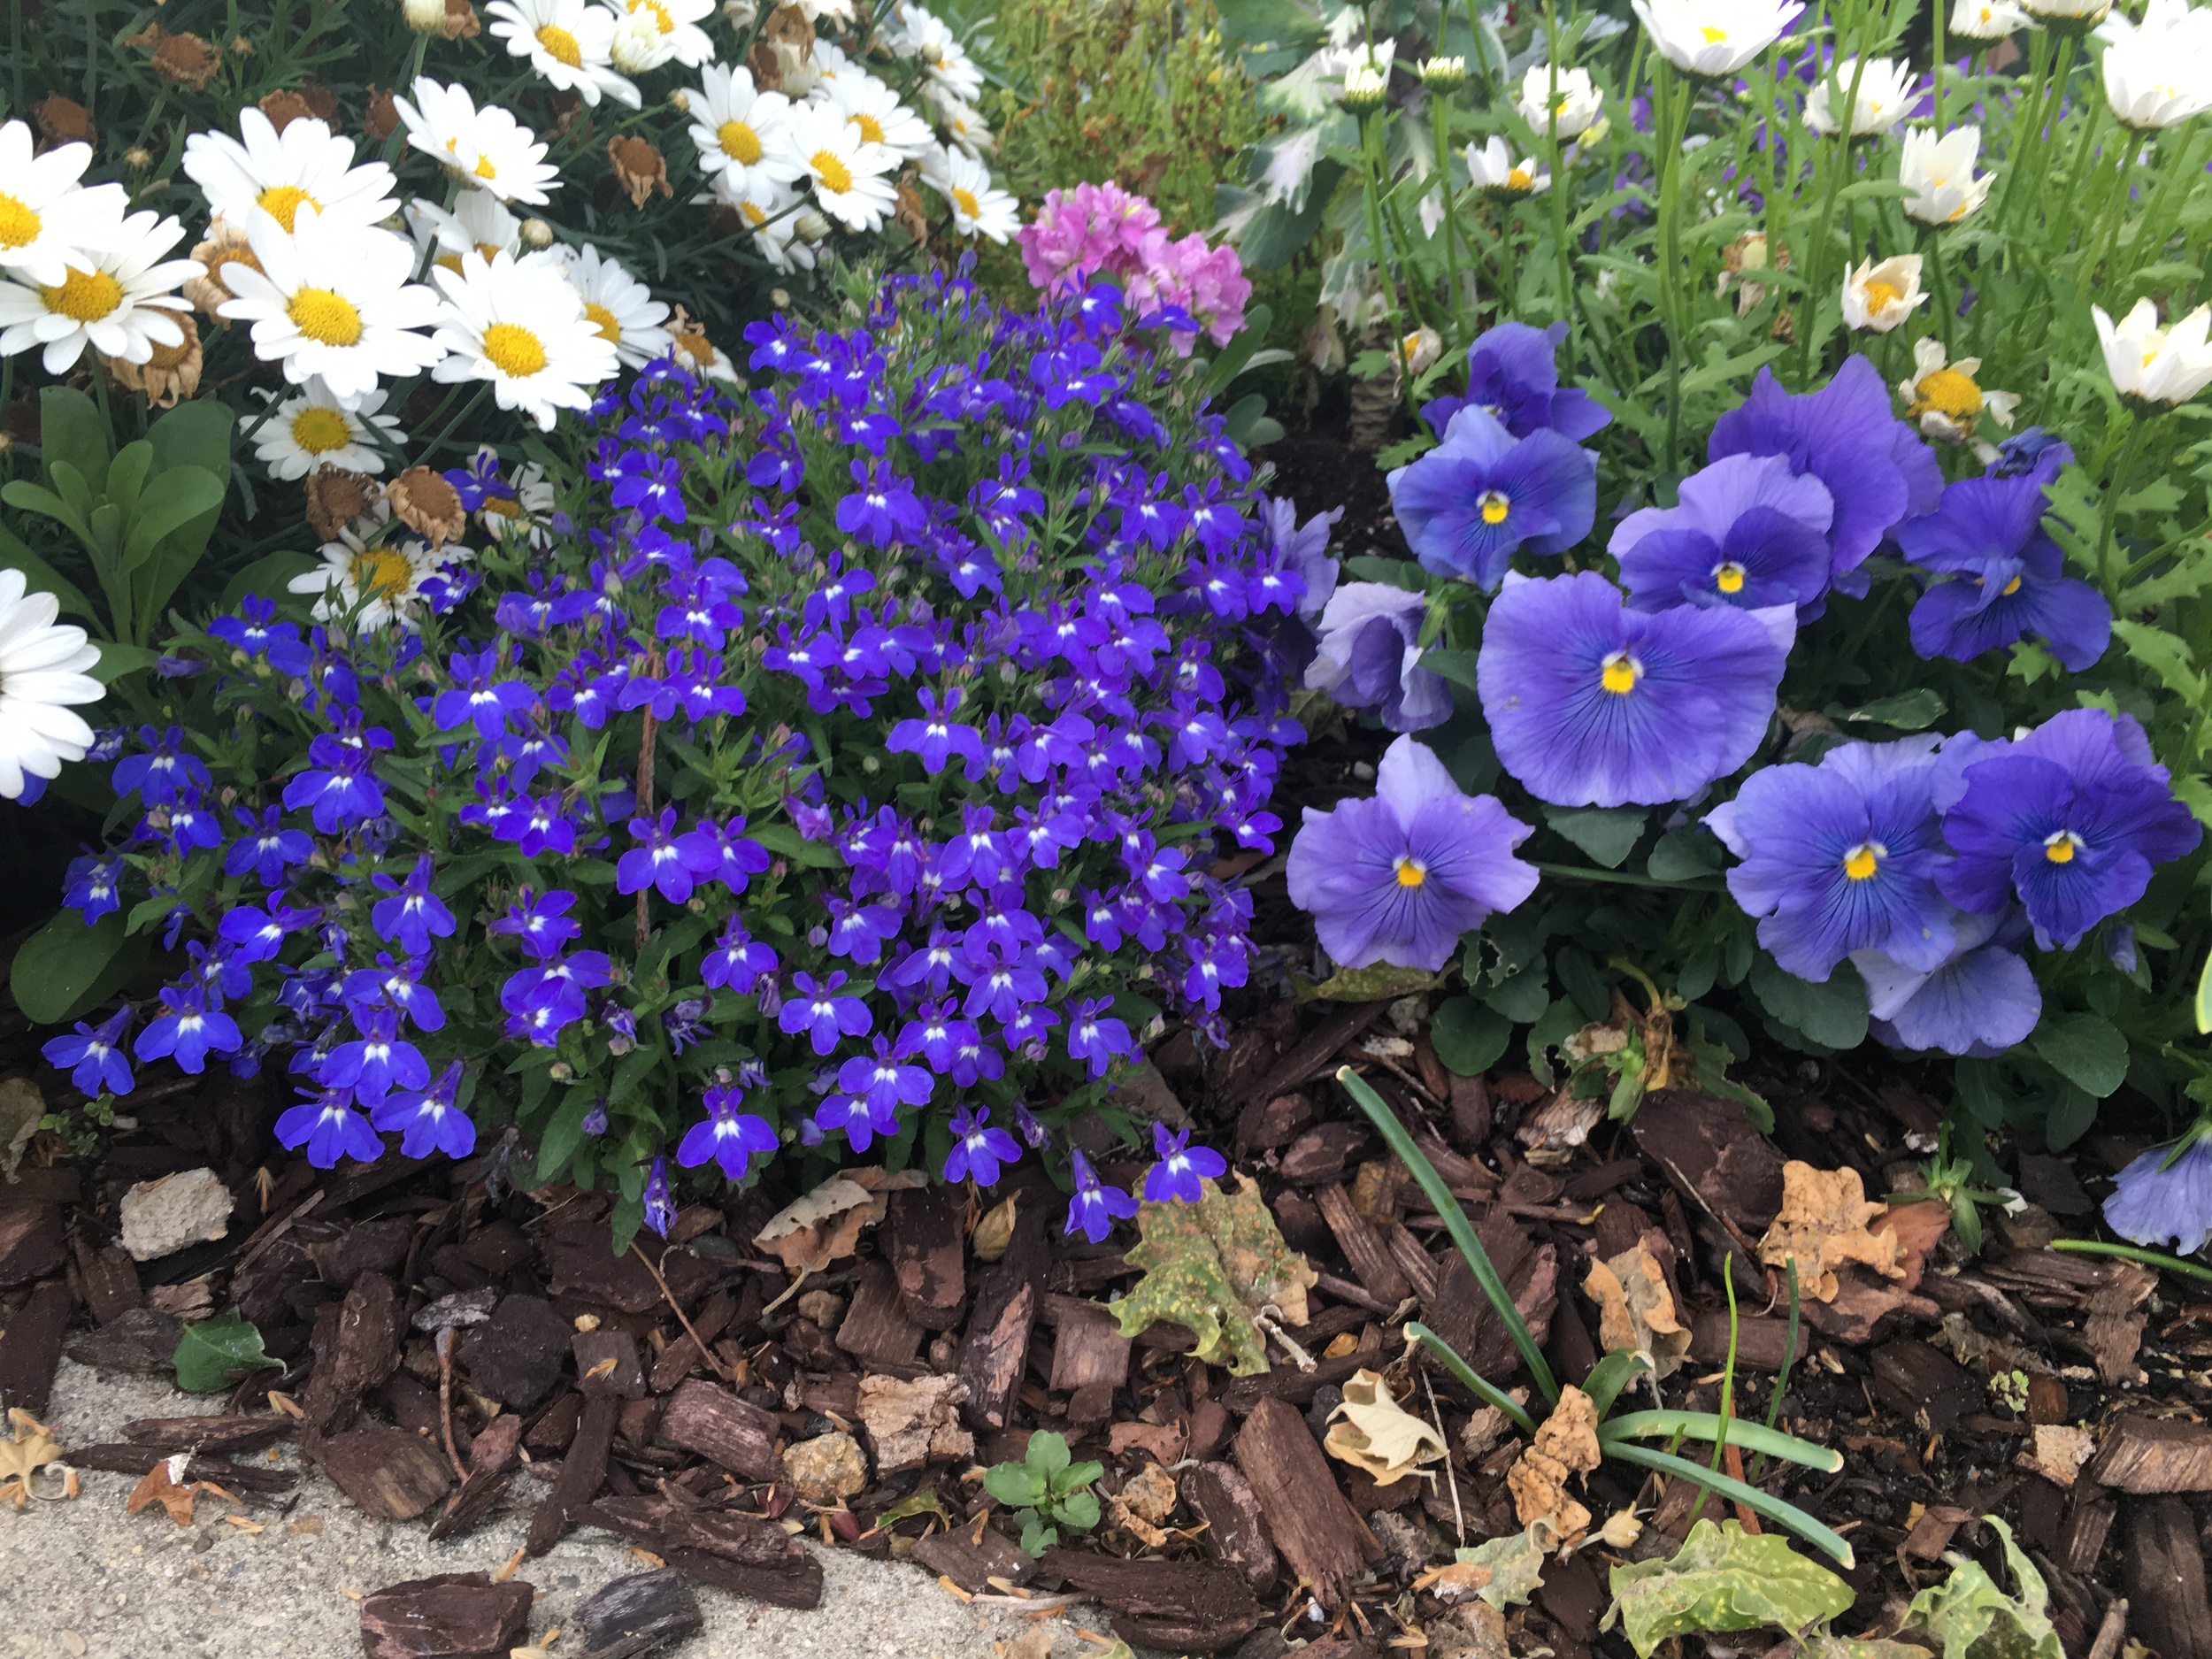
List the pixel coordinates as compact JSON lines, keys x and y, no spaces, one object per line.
{"x":1143,"y":1505}
{"x":1566,"y":1445}
{"x":1372,"y":1431}
{"x":825,"y":1225}
{"x":996,"y":1231}
{"x":1823,"y":1225}
{"x":161,"y":1487}
{"x":33,"y":1447}
{"x":1636,"y":1309}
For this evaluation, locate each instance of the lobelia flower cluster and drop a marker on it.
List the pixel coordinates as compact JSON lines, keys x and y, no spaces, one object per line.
{"x":843,"y":763}
{"x":1102,"y":231}
{"x":1928,"y":862}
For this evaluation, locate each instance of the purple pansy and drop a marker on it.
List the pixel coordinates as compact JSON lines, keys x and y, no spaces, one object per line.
{"x":1513,"y":374}
{"x":1482,"y":494}
{"x":1746,"y":532}
{"x":2164,"y":1197}
{"x":1369,"y":658}
{"x":1980,"y":1000}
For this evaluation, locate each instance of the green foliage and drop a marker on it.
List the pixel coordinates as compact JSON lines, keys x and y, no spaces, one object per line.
{"x":65,"y":969}
{"x":1211,"y":1267}
{"x":1723,"y":1578}
{"x":1971,"y":1617}
{"x":1046,"y":1491}
{"x":1515,"y":1564}
{"x":215,"y":1352}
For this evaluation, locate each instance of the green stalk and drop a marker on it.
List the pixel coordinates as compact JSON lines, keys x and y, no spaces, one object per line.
{"x":1734,"y":1490}
{"x":1456,"y":1223}
{"x":1567,"y":309}
{"x":1440,"y":114}
{"x":2128,"y":1252}
{"x":1381,"y":248}
{"x":1727,"y":1412}
{"x":1488,"y":1391}
{"x":2123,"y":474}
{"x":1706,"y":1426}
{"x":1938,"y":69}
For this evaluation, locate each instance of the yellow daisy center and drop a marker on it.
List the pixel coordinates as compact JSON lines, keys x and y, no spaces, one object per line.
{"x":85,"y":295}
{"x":1495,"y":506}
{"x":1620,"y":674}
{"x":1411,"y":872}
{"x":739,"y":142}
{"x":755,"y":214}
{"x":513,"y":349}
{"x":19,"y":223}
{"x":484,"y":169}
{"x":561,"y":45}
{"x":1880,"y":296}
{"x":502,"y":507}
{"x":451,"y":261}
{"x":604,"y":321}
{"x":380,"y":572}
{"x":1860,"y":863}
{"x":1729,"y":577}
{"x":834,"y":175}
{"x":1519,"y":179}
{"x":2060,"y":846}
{"x":1713,"y":36}
{"x":319,"y":430}
{"x":661,"y":21}
{"x":1953,"y":393}
{"x":964,"y":200}
{"x":282,"y":202}
{"x":325,"y":316}
{"x":871,"y":129}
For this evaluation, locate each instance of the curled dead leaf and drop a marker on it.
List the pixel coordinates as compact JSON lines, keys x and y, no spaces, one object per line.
{"x":1372,"y":1431}
{"x":1822,"y":1225}
{"x":1143,"y":1504}
{"x":1566,"y":1445}
{"x":164,"y":1484}
{"x":996,"y":1231}
{"x":33,"y":1447}
{"x":1636,"y":1309}
{"x":825,"y":1225}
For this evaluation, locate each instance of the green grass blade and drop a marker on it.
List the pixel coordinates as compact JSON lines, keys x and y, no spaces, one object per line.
{"x":1484,"y":1389}
{"x":1734,"y":1490}
{"x":1705,"y":1425}
{"x":1456,"y":1223}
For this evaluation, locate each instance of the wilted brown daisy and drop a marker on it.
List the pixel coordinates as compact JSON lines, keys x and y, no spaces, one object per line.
{"x":426,"y":504}
{"x":170,"y":375}
{"x":336,"y":498}
{"x":639,"y":168}
{"x":225,"y":245}
{"x":185,"y":60}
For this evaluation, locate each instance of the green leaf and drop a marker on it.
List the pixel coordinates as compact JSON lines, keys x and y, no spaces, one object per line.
{"x":127,"y":475}
{"x":71,"y":431}
{"x":1239,"y":352}
{"x":1914,"y":710}
{"x":1684,"y":854}
{"x":1456,"y":666}
{"x":1833,"y":1014}
{"x":1608,"y":834}
{"x":564,"y":1134}
{"x":118,"y":660}
{"x":1516,"y":1568}
{"x":1016,"y":1485}
{"x":2085,"y":1050}
{"x":1971,"y":1618}
{"x":1723,"y":1578}
{"x":1380,"y":983}
{"x":1078,"y":1510}
{"x":1209,"y":1267}
{"x":215,"y":1352}
{"x":28,"y":497}
{"x":39,"y":577}
{"x":784,"y":840}
{"x":1471,"y":1039}
{"x":267,"y":578}
{"x":1048,"y":1452}
{"x":170,"y":502}
{"x":2204,"y":996}
{"x":60,"y":970}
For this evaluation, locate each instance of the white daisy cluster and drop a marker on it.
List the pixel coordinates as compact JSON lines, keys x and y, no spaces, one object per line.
{"x":839,"y":136}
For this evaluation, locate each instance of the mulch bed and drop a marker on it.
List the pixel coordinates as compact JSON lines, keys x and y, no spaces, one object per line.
{"x":445,"y":1346}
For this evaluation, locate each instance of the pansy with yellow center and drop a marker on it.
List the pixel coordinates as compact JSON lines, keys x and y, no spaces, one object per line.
{"x":1745,"y":531}
{"x":119,"y":298}
{"x":522,"y":327}
{"x":488,"y":149}
{"x":1482,"y":494}
{"x":306,"y":165}
{"x":569,"y":43}
{"x":312,"y":428}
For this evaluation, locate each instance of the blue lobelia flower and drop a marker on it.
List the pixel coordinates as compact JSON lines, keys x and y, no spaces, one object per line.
{"x":730,"y":1137}
{"x":377,"y":1061}
{"x":1981,"y":1000}
{"x":1513,"y":374}
{"x":818,"y":1011}
{"x":1095,"y":1206}
{"x":1482,"y":494}
{"x":660,"y":1202}
{"x":2072,"y":818}
{"x":1592,"y":704}
{"x":1875,"y":467}
{"x":1182,"y":1166}
{"x":95,"y":885}
{"x":163,"y":771}
{"x":1400,"y":877}
{"x":187,"y":1030}
{"x":1369,"y":656}
{"x":267,"y":848}
{"x":95,"y":1054}
{"x":414,"y":915}
{"x":426,"y":1120}
{"x":1094,"y":1037}
{"x":2165,"y":1196}
{"x":327,"y":1124}
{"x":1746,"y":532}
{"x":1842,"y":858}
{"x":2011,"y":582}
{"x":977,"y":1149}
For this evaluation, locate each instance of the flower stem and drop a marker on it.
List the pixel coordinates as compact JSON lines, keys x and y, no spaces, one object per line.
{"x":2129,"y":1252}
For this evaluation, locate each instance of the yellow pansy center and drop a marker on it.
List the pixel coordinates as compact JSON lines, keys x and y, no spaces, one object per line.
{"x":84,"y":295}
{"x":964,"y":200}
{"x":836,"y":176}
{"x":19,"y":223}
{"x":1881,"y":296}
{"x":1861,"y":861}
{"x":282,"y":202}
{"x":2012,"y":587}
{"x":379,"y":572}
{"x":604,"y":321}
{"x":319,"y":430}
{"x":326,"y":316}
{"x":1411,"y":872}
{"x":2060,"y":846}
{"x":1729,"y":577}
{"x":561,"y":46}
{"x":513,"y":349}
{"x":1951,"y":393}
{"x":1620,"y":674}
{"x":739,"y":142}
{"x":1495,"y":506}
{"x":871,"y":129}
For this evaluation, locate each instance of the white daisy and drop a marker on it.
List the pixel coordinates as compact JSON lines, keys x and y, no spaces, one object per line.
{"x":43,"y":669}
{"x":332,"y":300}
{"x":117,"y":298}
{"x":314,"y":429}
{"x":737,"y":130}
{"x":487,"y":148}
{"x":876,"y":115}
{"x":44,"y":216}
{"x":383,"y":582}
{"x":979,"y":207}
{"x":620,"y":306}
{"x":766,"y":206}
{"x":475,"y":224}
{"x":929,"y":38}
{"x":570,"y":43}
{"x":961,"y":124}
{"x":847,"y":172}
{"x":829,"y":60}
{"x":677,"y":23}
{"x":304,"y":165}
{"x":523,"y":327}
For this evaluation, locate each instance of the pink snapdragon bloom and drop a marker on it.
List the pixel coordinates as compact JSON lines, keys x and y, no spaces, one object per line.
{"x":1102,"y":230}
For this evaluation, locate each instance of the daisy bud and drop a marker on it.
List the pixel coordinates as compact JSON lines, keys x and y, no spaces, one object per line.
{"x":1365,"y":87}
{"x":1444,"y":75}
{"x":780,"y":298}
{"x":138,"y":158}
{"x":812,"y":226}
{"x":424,"y":17}
{"x":680,"y":100}
{"x":536,"y":234}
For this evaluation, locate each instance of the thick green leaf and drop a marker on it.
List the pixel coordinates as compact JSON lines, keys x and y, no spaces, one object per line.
{"x":215,"y":1352}
{"x":786,"y":840}
{"x":1971,"y":1618}
{"x":1471,"y":1039}
{"x":71,"y":431}
{"x":169,"y":502}
{"x":565,"y":1133}
{"x":1684,"y":854}
{"x":1048,"y":1452}
{"x":1723,"y":1578}
{"x":25,"y":496}
{"x":1456,"y":666}
{"x":1832,"y":1014}
{"x":1914,"y":710}
{"x":2204,"y":996}
{"x":1016,"y":1485}
{"x":1078,"y":1510}
{"x":1239,"y":352}
{"x":1607,"y":834}
{"x":63,"y":963}
{"x":127,"y":475}
{"x":119,"y":660}
{"x":2085,"y":1050}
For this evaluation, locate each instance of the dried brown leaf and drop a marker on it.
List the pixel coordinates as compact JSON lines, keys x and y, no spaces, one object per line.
{"x":1143,"y":1504}
{"x":160,"y":1486}
{"x":33,"y":1447}
{"x":1823,"y":1225}
{"x":1372,"y":1431}
{"x":825,"y":1225}
{"x":1566,"y":1445}
{"x":1636,"y":1309}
